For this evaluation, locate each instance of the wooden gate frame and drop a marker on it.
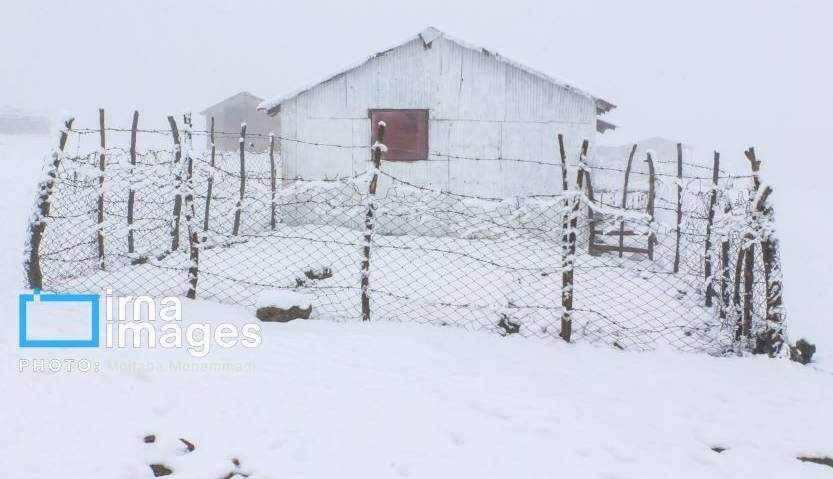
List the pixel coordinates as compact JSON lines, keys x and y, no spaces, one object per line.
{"x":599,"y":248}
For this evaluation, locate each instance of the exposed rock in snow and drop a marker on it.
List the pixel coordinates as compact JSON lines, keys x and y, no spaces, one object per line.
{"x":283,"y":306}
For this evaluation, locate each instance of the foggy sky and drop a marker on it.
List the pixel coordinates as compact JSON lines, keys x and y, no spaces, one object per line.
{"x":700,"y":72}
{"x":715,"y":74}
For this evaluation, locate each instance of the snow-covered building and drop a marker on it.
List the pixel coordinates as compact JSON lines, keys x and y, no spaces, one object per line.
{"x":448,"y":105}
{"x":234,"y":110}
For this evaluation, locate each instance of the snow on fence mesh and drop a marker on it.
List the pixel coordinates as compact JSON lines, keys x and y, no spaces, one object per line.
{"x":646,"y":254}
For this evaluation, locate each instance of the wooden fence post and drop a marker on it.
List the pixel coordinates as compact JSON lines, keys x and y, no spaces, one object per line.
{"x":177,"y":184}
{"x":101,"y":165}
{"x":650,"y":207}
{"x":238,"y":211}
{"x":725,"y":265}
{"x":566,"y":294}
{"x":625,"y":200}
{"x":749,"y":258}
{"x":568,"y":262}
{"x":707,"y":267}
{"x":772,"y":267}
{"x":272,"y":177}
{"x":210,"y":181}
{"x":679,"y":206}
{"x":37,"y":225}
{"x":369,"y":219}
{"x":190,"y":214}
{"x":736,"y":296}
{"x":756,"y":167}
{"x":564,"y":190}
{"x":725,"y":277}
{"x":131,"y":195}
{"x":769,"y":253}
{"x":748,"y":288}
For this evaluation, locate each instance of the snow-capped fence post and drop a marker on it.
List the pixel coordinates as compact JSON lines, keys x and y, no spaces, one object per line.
{"x":568,"y":262}
{"x":565,"y":187}
{"x":101,"y":165}
{"x":208,"y":192}
{"x":679,"y":225}
{"x":748,"y":287}
{"x":190,"y":213}
{"x":370,"y":218}
{"x":724,"y":278}
{"x":177,"y":184}
{"x":772,"y":276}
{"x":769,"y":250}
{"x":625,"y":200}
{"x":650,"y":208}
{"x":749,"y":247}
{"x":131,"y":194}
{"x":565,"y":234}
{"x":272,"y":178}
{"x":566,"y":279}
{"x":707,"y":267}
{"x":763,"y":214}
{"x":736,"y":293}
{"x":239,"y":208}
{"x":37,"y":223}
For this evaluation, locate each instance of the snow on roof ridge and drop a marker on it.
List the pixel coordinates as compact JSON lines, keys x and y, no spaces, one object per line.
{"x":520,"y":66}
{"x":428,"y":36}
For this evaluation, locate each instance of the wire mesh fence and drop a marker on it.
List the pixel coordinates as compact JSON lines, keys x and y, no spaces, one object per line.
{"x":636,"y":256}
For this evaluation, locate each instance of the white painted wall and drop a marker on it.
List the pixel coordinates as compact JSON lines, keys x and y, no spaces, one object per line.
{"x":478,"y":106}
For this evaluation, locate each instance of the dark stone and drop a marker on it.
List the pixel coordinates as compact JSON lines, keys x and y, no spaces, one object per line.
{"x":236,"y":470}
{"x":233,"y":474}
{"x":188,"y":444}
{"x":768,"y":342}
{"x":160,"y":470}
{"x":280,"y":315}
{"x":824,"y":461}
{"x":319,"y":273}
{"x":139,"y":260}
{"x":508,"y":326}
{"x":802,"y":352}
{"x":718,"y":449}
{"x":149,"y":439}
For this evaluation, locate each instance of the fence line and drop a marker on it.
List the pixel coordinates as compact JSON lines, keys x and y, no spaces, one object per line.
{"x":637,"y":268}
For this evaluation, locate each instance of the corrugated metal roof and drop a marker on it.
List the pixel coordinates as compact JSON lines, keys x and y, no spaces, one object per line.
{"x":428,"y":36}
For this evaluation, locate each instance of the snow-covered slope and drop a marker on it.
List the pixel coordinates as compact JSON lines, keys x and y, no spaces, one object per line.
{"x":323,"y":399}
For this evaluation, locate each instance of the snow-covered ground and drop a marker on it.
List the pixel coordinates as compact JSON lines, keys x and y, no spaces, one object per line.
{"x":389,"y":399}
{"x":324,"y":399}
